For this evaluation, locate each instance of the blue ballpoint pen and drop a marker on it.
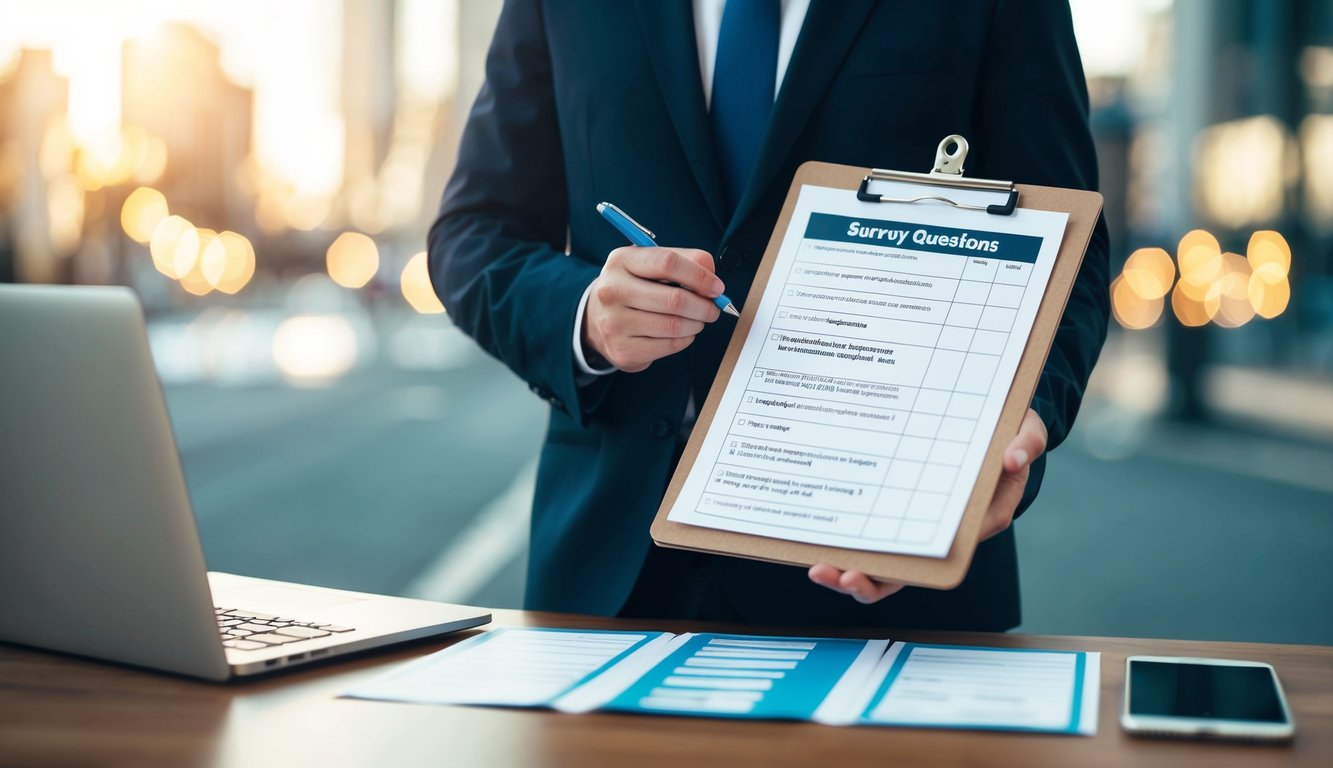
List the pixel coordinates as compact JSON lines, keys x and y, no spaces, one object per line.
{"x":639,"y":235}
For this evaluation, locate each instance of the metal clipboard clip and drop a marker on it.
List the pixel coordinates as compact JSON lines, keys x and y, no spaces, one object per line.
{"x":948,"y":172}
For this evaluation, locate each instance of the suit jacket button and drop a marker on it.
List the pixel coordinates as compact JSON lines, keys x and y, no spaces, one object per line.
{"x":731,"y":258}
{"x":660,"y":428}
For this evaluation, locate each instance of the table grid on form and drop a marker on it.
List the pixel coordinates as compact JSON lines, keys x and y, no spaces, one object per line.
{"x":966,"y":326}
{"x":867,"y":389}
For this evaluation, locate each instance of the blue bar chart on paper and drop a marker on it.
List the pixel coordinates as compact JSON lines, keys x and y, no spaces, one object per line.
{"x":743,"y":676}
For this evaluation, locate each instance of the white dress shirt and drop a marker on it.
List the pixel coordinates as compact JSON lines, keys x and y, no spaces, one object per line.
{"x":707,"y":29}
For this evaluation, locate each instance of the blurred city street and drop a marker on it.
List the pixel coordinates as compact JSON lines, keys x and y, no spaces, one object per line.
{"x":362,"y":482}
{"x":263,"y":176}
{"x":414,"y":477}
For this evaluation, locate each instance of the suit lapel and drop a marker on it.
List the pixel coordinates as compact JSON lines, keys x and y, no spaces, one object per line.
{"x":668,"y":35}
{"x":826,"y":36}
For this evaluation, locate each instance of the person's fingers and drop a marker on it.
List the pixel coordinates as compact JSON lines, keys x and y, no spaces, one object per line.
{"x":826,"y":576}
{"x":865,"y":589}
{"x":655,"y":326}
{"x":1008,"y":493}
{"x":671,"y":265}
{"x":860,"y":587}
{"x":651,"y":296}
{"x":702,"y":258}
{"x":1028,"y":444}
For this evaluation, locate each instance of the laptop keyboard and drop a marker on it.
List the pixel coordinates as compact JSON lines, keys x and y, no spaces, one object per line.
{"x":253,"y":631}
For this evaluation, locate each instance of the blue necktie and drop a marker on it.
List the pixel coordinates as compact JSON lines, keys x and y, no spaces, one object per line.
{"x":744,"y":77}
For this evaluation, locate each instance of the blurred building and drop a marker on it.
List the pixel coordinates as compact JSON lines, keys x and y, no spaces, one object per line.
{"x":35,"y":185}
{"x":174,"y":89}
{"x":369,"y":92}
{"x":1224,"y":125}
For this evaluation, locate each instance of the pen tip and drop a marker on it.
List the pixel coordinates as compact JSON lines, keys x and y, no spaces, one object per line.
{"x":730,"y":309}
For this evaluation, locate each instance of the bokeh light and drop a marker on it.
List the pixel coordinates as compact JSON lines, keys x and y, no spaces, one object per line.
{"x":185,"y":253}
{"x":1268,"y":299}
{"x":1240,"y":170}
{"x":1201,"y":264}
{"x":1269,"y":255}
{"x":1189,"y":311}
{"x":1214,"y":286}
{"x":1149,"y":273}
{"x":314,"y":348}
{"x":417,"y":288}
{"x":1131,"y":309}
{"x":1228,"y":299}
{"x":162,"y":244}
{"x":228,"y":262}
{"x":143,"y":210}
{"x":192,"y":277}
{"x":353,"y":260}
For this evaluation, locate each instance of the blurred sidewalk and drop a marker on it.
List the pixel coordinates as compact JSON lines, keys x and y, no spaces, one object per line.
{"x":1300,"y":404}
{"x":412,"y":474}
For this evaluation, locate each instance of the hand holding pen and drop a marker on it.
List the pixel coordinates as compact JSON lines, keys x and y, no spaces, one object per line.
{"x":649,"y":301}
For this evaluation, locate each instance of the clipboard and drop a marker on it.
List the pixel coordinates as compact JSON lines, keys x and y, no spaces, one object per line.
{"x":1083,"y":208}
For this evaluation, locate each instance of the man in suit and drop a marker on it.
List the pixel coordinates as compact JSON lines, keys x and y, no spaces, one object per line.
{"x":695,"y":119}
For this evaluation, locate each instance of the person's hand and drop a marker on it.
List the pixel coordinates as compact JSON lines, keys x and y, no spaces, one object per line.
{"x":1027,"y":445}
{"x":635,"y":315}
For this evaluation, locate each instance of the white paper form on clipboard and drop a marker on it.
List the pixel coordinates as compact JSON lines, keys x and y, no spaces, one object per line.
{"x":865,"y":397}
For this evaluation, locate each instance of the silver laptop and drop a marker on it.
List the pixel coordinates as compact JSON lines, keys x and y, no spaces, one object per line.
{"x":99,"y":553}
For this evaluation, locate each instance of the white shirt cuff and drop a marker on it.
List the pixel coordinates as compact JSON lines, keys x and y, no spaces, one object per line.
{"x":578,"y":340}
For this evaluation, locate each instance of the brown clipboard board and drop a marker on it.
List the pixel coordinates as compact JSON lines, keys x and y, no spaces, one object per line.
{"x":1083,"y":208}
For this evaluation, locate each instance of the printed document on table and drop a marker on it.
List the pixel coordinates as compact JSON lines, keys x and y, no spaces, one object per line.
{"x":827,"y":680}
{"x":511,"y":667}
{"x":943,"y":686}
{"x":744,"y":676}
{"x":873,"y":376}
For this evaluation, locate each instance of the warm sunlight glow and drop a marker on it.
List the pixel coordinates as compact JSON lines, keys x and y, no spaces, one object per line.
{"x":65,"y":213}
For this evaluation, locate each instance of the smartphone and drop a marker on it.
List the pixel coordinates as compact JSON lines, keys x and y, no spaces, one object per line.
{"x":1204,"y":698}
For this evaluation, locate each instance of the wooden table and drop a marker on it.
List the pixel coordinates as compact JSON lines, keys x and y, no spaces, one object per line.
{"x":58,"y":710}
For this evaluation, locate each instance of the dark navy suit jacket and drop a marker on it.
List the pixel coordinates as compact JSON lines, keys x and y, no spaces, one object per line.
{"x":587,"y":100}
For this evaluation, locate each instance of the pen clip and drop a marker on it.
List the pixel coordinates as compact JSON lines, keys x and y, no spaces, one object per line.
{"x":631,"y":220}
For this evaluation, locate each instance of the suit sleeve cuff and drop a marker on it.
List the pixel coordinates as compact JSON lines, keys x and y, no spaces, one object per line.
{"x":587,"y":374}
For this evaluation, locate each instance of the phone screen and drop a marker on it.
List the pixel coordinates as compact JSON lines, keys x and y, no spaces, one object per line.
{"x":1204,"y":691}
